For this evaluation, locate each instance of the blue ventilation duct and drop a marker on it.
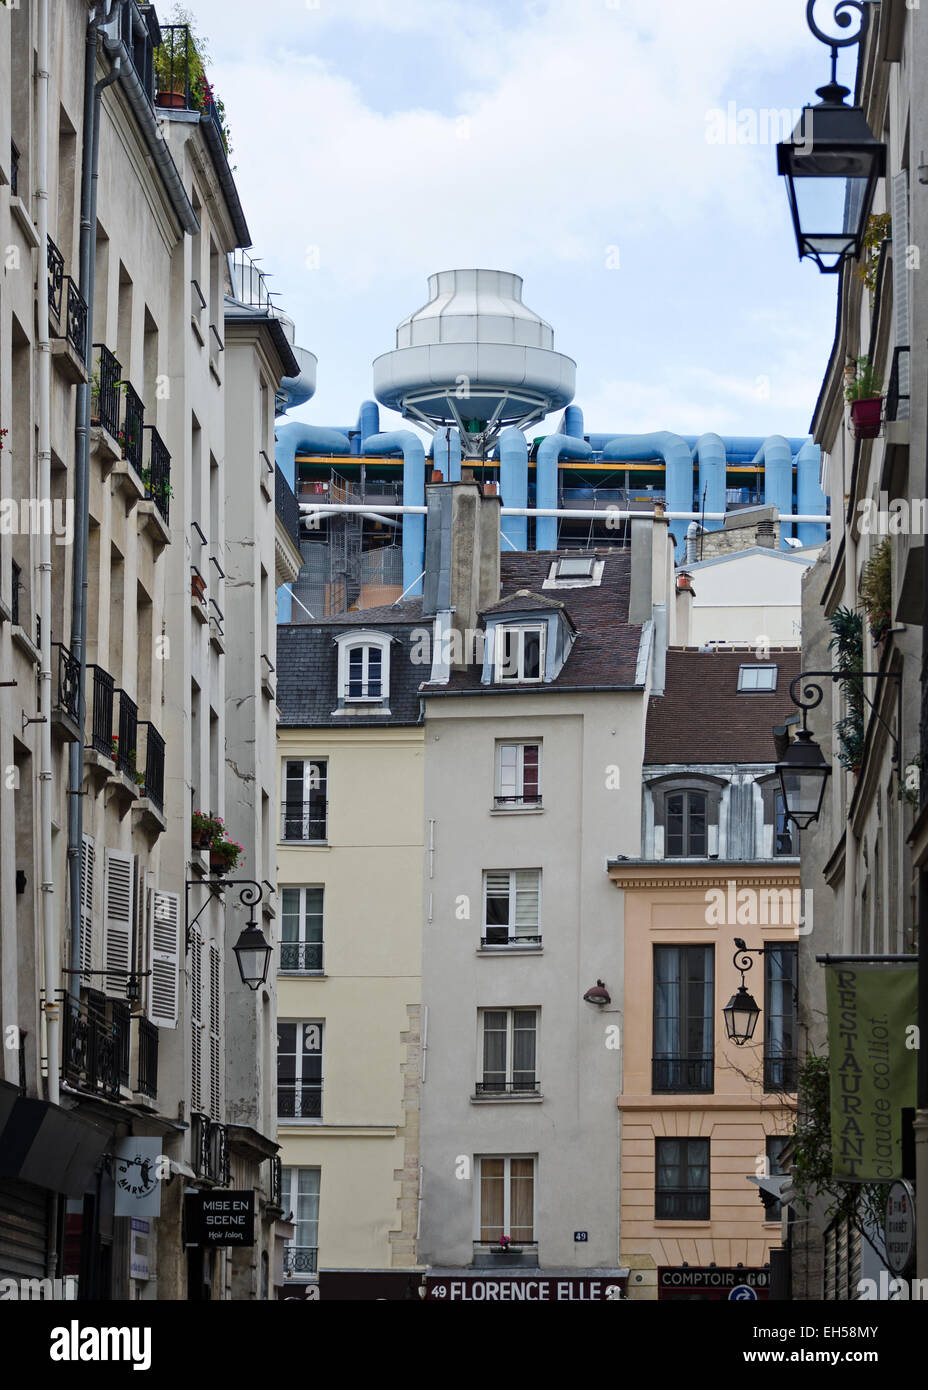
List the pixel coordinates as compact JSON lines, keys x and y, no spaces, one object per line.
{"x":368,"y":420}
{"x":809,"y":496}
{"x":550,"y":452}
{"x":710,"y":455}
{"x":413,"y":451}
{"x":573,"y":422}
{"x":298,"y":438}
{"x":678,"y":469}
{"x":446,"y":453}
{"x":777,"y":457}
{"x":513,"y":479}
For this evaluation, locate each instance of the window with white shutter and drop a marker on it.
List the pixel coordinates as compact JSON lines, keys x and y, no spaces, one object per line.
{"x":163,"y":957}
{"x":88,"y":866}
{"x":512,"y":907}
{"x":215,"y":1033}
{"x":196,"y":1024}
{"x":118,"y":919}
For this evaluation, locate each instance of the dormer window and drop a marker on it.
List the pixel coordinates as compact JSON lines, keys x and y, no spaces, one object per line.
{"x":363,"y":668}
{"x":574,"y":572}
{"x":757,"y":678}
{"x":520,"y":652}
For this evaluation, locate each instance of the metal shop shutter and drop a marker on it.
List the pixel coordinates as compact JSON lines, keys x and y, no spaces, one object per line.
{"x":23,"y":1230}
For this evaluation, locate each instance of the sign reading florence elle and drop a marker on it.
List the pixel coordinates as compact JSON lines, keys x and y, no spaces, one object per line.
{"x":872,"y":1044}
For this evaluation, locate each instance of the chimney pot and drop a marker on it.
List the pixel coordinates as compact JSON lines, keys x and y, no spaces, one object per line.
{"x":437,"y":476}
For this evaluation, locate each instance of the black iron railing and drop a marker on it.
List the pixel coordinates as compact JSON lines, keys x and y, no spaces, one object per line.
{"x":681,"y":1204}
{"x":148,"y":1058}
{"x":76,"y":322}
{"x":305,"y":820}
{"x":897,"y":393}
{"x":301,"y":955}
{"x":299,"y":1100}
{"x":14,"y":169}
{"x":529,"y":1085}
{"x":68,"y":697}
{"x":158,"y":479}
{"x":14,"y":593}
{"x":499,"y":936}
{"x":681,"y":1074}
{"x":781,"y":1073}
{"x":133,"y":422}
{"x":127,"y":738}
{"x":122,"y":1022}
{"x":300,"y":1259}
{"x":152,"y":767}
{"x":287,"y":507}
{"x":105,"y":389}
{"x":55,"y":278}
{"x":92,"y":1045}
{"x":101,"y":736}
{"x":517,"y":800}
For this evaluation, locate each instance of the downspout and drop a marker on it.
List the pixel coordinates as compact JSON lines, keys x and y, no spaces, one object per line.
{"x":678,"y":464}
{"x":413,"y":451}
{"x":550,"y":453}
{"x":709,"y":453}
{"x":777,"y":457}
{"x":90,"y":159}
{"x":51,"y":961}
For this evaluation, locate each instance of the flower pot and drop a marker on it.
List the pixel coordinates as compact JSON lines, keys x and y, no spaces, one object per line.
{"x":177,"y":100}
{"x":866,"y":417}
{"x":199,"y":839}
{"x":218,"y":863}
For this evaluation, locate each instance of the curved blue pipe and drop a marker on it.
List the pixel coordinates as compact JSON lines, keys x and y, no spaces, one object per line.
{"x":413,"y":451}
{"x":738,"y":448}
{"x":446,"y":453}
{"x":550,"y":452}
{"x":368,"y":420}
{"x":777,"y":458}
{"x":298,"y":437}
{"x":809,"y":496}
{"x":513,"y":479}
{"x":710,"y":455}
{"x":679,"y":469}
{"x":573,"y":422}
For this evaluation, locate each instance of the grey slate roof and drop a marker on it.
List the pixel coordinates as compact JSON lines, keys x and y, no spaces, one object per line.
{"x":307,"y":669}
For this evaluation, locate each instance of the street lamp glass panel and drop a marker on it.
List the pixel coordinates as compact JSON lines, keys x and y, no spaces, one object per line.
{"x":828,"y":206}
{"x":253,"y":955}
{"x":803,"y":793}
{"x":741,"y":1014}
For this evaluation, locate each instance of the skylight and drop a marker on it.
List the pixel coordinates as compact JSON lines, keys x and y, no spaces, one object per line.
{"x":754,"y":678}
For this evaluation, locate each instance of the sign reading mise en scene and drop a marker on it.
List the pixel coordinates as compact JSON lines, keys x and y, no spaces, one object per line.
{"x":219,"y":1217}
{"x":873,"y":1053}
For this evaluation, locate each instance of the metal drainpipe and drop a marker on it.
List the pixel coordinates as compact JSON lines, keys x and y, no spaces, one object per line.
{"x":93,"y":96}
{"x":51,"y":962}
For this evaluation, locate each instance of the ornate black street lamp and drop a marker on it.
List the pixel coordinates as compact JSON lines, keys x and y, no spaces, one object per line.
{"x":252,"y":950}
{"x":833,"y":160}
{"x":742,"y":1010}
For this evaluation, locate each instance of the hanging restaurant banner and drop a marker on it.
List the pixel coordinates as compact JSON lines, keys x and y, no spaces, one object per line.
{"x":873,"y":1052}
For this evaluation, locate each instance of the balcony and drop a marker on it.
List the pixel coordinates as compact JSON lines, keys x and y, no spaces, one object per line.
{"x":104,"y":391}
{"x":300,"y":1260}
{"x":96,"y":1044}
{"x":55,"y":279}
{"x":148,"y":1059}
{"x":489,"y":1089}
{"x":70,"y":348}
{"x":133,"y":422}
{"x":515,"y":803}
{"x":299,"y":1100}
{"x":14,"y":593}
{"x":519,"y":1254}
{"x":66,"y":712}
{"x":127,"y":738}
{"x":14,"y":169}
{"x":671,"y":1074}
{"x":101,"y":728}
{"x":180,"y":83}
{"x":498,"y":937}
{"x":301,"y":957}
{"x":158,"y":491}
{"x":149,"y":765}
{"x":287,"y":507}
{"x":305,"y":824}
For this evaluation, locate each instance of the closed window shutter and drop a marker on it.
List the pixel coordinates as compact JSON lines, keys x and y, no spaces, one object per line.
{"x":196,"y":1025}
{"x":118,"y":917}
{"x":527,"y":890}
{"x":901,"y":282}
{"x":88,"y":865}
{"x":215,"y":1033}
{"x":163,"y":957}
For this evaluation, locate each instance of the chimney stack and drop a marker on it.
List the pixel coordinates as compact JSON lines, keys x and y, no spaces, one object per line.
{"x":461,"y":561}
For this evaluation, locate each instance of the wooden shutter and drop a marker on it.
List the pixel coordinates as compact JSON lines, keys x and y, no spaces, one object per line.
{"x":215,"y":1033}
{"x":163,"y":957}
{"x":118,"y":919}
{"x":88,"y":865}
{"x":196,"y":1025}
{"x":900,"y":233}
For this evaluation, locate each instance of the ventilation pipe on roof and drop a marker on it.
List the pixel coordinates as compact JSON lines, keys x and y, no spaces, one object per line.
{"x":809,"y":496}
{"x":513,"y":477}
{"x":692,"y":532}
{"x":572,"y":422}
{"x":777,"y":458}
{"x":368,"y":420}
{"x":710,"y":454}
{"x":299,"y":437}
{"x":413,"y":451}
{"x":550,"y":452}
{"x":677,"y":458}
{"x":446,"y":453}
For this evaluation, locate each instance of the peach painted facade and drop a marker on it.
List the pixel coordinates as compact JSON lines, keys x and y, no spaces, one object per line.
{"x":665,"y":904}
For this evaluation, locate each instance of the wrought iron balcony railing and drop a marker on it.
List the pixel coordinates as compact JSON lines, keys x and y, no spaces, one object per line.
{"x":781,"y":1073}
{"x":55,"y":278}
{"x":150,"y":764}
{"x":94,"y":1041}
{"x":305,"y":823}
{"x":148,"y":1059}
{"x":671,"y":1073}
{"x":101,"y":735}
{"x":300,"y":1260}
{"x":681,"y":1204}
{"x":897,"y":393}
{"x":127,"y":738}
{"x":301,"y":955}
{"x":499,"y":936}
{"x":287,"y":507}
{"x":133,"y":422}
{"x":299,"y":1100}
{"x":527,"y":1086}
{"x":105,"y":389}
{"x":68,"y":695}
{"x":76,"y":321}
{"x":14,"y":592}
{"x":517,"y":800}
{"x":158,"y":478}
{"x":14,"y":169}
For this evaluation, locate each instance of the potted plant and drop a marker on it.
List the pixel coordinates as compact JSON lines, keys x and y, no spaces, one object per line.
{"x":506,"y":1247}
{"x":178,"y":61}
{"x":137,"y":777}
{"x":95,"y":396}
{"x":224,"y":856}
{"x":876,"y":591}
{"x":114,"y":747}
{"x":863,"y":391}
{"x":205,"y":829}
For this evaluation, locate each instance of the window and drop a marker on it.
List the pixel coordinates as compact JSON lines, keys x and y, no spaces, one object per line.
{"x":508,"y":1038}
{"x":757,"y":678}
{"x":776,"y":1143}
{"x":574,"y":572}
{"x":685,"y":835}
{"x":300,"y":1197}
{"x":305,"y":799}
{"x":682,"y":1180}
{"x":301,"y":929}
{"x":518,"y":774}
{"x":520,"y":653}
{"x":780,"y":1061}
{"x":507,"y":1199}
{"x":299,"y":1071}
{"x":363,"y":668}
{"x":512,"y":902}
{"x":684,"y":1023}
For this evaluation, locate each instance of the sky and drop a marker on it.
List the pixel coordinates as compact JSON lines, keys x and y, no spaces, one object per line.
{"x":619,"y":155}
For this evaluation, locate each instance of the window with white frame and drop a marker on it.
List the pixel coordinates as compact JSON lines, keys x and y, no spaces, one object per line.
{"x":301,"y":935}
{"x":520,"y":652}
{"x":508,"y":1046}
{"x":300,"y":1197}
{"x":299,"y":1070}
{"x":363,"y":667}
{"x":518,"y":774}
{"x":507,"y":1200}
{"x":305,"y":802}
{"x":757,"y":678}
{"x":512,"y":907}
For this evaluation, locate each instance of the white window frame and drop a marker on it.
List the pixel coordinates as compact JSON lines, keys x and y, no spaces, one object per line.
{"x":757,"y":689}
{"x":321,"y":763}
{"x":517,"y":801}
{"x":349,"y":642}
{"x":511,"y":925}
{"x":290,"y":1191}
{"x":510,"y":1047}
{"x":298,"y":1069}
{"x":522,"y":629}
{"x":507,"y":1194}
{"x":302,"y":889}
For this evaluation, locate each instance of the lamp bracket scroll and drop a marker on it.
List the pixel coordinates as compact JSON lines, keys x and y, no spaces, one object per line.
{"x":844,"y":20}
